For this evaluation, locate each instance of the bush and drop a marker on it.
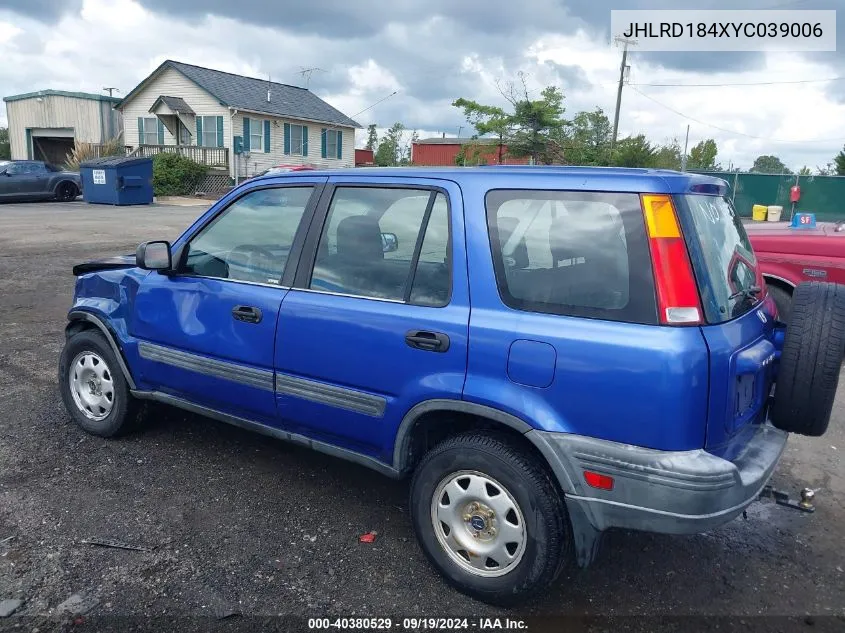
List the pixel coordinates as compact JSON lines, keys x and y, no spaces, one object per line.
{"x":86,"y":151}
{"x":176,"y":175}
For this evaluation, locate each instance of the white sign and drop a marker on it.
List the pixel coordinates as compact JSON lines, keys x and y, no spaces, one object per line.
{"x":726,"y":30}
{"x":99,"y":176}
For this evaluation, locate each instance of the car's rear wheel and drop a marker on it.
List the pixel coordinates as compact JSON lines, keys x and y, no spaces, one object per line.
{"x":811,"y":359}
{"x":489,"y":517}
{"x":93,"y":388}
{"x":66,"y":192}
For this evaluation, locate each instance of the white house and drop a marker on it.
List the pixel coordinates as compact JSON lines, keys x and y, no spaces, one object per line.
{"x":205,"y":113}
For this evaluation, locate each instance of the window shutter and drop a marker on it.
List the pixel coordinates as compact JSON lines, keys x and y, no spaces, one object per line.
{"x":246,"y":134}
{"x":323,"y":141}
{"x":140,"y":130}
{"x":339,"y":144}
{"x":199,"y":130}
{"x":266,"y":137}
{"x":305,"y":140}
{"x":220,"y":131}
{"x":160,"y":132}
{"x":287,"y":138}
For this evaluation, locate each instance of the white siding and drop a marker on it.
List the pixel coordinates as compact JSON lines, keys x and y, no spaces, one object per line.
{"x":172,"y":83}
{"x":53,"y":111}
{"x":261,"y":160}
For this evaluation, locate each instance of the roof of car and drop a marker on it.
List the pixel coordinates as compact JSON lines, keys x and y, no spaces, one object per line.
{"x":525,"y":176}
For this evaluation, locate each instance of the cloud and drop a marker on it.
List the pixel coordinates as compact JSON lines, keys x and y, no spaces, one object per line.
{"x":431,"y":54}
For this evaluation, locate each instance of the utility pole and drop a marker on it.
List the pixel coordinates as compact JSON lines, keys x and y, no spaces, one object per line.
{"x":110,"y":90}
{"x":622,"y":68}
{"x":684,"y":157}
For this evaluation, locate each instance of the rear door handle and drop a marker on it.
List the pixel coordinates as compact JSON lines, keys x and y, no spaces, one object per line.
{"x":247,"y":314}
{"x":427,"y":341}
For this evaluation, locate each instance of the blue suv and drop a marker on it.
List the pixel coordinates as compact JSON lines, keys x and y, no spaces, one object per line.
{"x":548,"y":352}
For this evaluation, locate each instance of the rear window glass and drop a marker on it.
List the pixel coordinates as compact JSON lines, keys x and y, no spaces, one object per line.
{"x":572,"y":253}
{"x":724,"y":263}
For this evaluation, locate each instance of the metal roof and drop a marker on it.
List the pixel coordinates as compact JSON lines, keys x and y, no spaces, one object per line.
{"x":453,"y":140}
{"x":250,"y":94}
{"x":62,"y":93}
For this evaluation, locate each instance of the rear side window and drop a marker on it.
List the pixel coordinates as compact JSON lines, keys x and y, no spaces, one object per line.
{"x":724,"y":263}
{"x":572,"y":253}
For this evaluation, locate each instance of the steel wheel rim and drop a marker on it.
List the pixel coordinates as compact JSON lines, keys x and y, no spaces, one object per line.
{"x":478,"y":523}
{"x":91,"y":385}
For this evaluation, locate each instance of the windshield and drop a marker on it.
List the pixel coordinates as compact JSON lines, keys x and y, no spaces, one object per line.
{"x":725,"y":265}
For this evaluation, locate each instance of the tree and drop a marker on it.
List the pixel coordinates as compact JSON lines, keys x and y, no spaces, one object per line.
{"x":827,"y":170}
{"x":5,"y":148}
{"x":486,"y":120}
{"x":588,"y":139}
{"x":768,"y":164}
{"x":703,"y":156}
{"x":390,"y":150}
{"x":839,"y":163}
{"x":634,"y":151}
{"x":668,"y":156}
{"x":534,"y":128}
{"x":372,"y":137}
{"x":804,"y":171}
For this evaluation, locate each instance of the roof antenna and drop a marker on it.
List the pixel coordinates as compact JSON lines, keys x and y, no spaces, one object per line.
{"x":307,"y":72}
{"x":268,"y":88}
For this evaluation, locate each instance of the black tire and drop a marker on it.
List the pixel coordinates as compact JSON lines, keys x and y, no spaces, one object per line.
{"x":66,"y":192}
{"x":783,"y":302}
{"x":548,"y":542}
{"x":811,"y":359}
{"x":125,"y":410}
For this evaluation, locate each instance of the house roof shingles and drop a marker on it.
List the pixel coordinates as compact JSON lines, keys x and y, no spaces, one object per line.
{"x":177,"y":104}
{"x":249,"y":93}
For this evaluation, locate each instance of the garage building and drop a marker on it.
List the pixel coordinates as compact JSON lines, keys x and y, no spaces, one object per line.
{"x":44,"y":125}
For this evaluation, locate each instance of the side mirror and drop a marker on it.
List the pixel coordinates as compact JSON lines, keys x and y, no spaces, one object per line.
{"x":389,"y":242}
{"x":153,"y":256}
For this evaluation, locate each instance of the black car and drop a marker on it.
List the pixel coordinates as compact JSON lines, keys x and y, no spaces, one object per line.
{"x":37,"y":180}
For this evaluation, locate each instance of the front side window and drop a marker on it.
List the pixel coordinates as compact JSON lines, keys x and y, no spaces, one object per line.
{"x":373,"y":242}
{"x":149,"y":135}
{"x":209,"y":131}
{"x":251,"y":239}
{"x":573,"y":253}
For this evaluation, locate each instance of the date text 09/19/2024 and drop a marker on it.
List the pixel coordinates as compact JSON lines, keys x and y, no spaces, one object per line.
{"x":418,"y":624}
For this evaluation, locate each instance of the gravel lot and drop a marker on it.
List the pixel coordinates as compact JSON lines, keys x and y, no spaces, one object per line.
{"x":238,"y":523}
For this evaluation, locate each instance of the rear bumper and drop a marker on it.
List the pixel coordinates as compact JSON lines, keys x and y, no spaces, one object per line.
{"x":683,"y":492}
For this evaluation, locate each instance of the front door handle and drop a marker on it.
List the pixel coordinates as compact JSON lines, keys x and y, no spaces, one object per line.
{"x":427,"y":341}
{"x":247,"y":314}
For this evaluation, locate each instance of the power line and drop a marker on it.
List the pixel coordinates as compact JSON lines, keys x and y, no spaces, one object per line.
{"x":716,"y":127}
{"x":740,"y":83}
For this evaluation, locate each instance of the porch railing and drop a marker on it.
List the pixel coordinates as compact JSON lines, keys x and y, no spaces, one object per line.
{"x":211,"y":156}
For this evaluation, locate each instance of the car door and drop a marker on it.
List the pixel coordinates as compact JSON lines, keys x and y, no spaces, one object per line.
{"x":377,"y":319}
{"x":33,"y":182}
{"x":10,"y":180}
{"x":207,"y":331}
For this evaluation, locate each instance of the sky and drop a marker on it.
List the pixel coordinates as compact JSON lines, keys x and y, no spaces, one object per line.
{"x":431,"y":53}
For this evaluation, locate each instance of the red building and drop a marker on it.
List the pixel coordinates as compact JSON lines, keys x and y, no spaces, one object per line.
{"x":364,"y":158}
{"x":444,"y":152}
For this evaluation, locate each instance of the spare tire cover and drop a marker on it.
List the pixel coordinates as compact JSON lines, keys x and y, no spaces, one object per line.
{"x":811,"y":359}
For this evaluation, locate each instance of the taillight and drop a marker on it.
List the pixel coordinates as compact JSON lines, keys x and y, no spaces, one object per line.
{"x":677,"y":293}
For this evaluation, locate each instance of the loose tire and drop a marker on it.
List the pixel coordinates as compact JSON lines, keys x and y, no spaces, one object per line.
{"x":66,"y":192}
{"x":489,"y":518}
{"x":93,"y":388}
{"x":783,"y":301}
{"x":811,"y":359}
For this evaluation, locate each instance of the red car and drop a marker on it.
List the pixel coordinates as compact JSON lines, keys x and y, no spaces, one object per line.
{"x":789,"y":256}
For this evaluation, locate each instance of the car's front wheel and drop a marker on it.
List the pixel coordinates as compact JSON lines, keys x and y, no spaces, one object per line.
{"x":66,"y":192}
{"x":93,"y":388}
{"x":489,"y":517}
